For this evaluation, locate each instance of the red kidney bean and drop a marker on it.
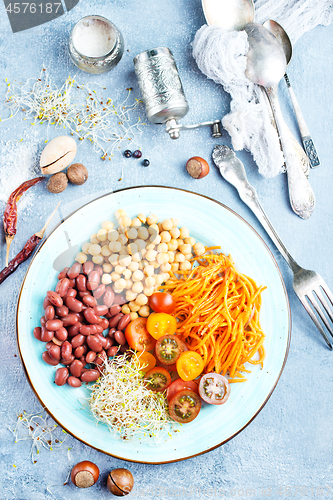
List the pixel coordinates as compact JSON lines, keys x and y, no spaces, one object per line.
{"x":72,"y":284}
{"x":94,"y":279}
{"x":47,"y":358}
{"x":79,"y":316}
{"x":71,"y":293}
{"x":115,"y":309}
{"x":78,"y":340}
{"x":113,"y":322}
{"x":57,"y":341}
{"x":61,"y":376}
{"x":73,"y":304}
{"x":62,"y":287}
{"x":89,"y":329}
{"x":109,"y":343}
{"x":99,"y":291}
{"x":48,"y":345}
{"x":66,"y":350}
{"x":89,"y":300}
{"x":124,"y":322}
{"x":70,"y":320}
{"x":104,"y":323}
{"x":61,"y":334}
{"x":119,"y":299}
{"x":54,"y":352}
{"x":81,"y":283}
{"x":83,"y":294}
{"x":67,"y":361}
{"x":53,"y":324}
{"x":90,"y":316}
{"x":46,"y":335}
{"x":100,"y":358}
{"x":87,"y":267}
{"x":124,"y":348}
{"x":112,"y":351}
{"x":74,"y":329}
{"x":94,"y":343}
{"x":83,"y":360}
{"x":102,"y":339}
{"x":120,"y":337}
{"x":54,"y":298}
{"x":74,"y":270}
{"x":99,"y":329}
{"x":43,"y":321}
{"x":46,"y":303}
{"x":76,"y":368}
{"x":74,"y":382}
{"x":99,"y":270}
{"x":37,"y":332}
{"x":100,"y":310}
{"x":80,"y":351}
{"x":90,"y":375}
{"x":111,"y":333}
{"x":63,"y":273}
{"x":108,"y":315}
{"x":90,"y":356}
{"x":62,"y":311}
{"x":108,"y":296}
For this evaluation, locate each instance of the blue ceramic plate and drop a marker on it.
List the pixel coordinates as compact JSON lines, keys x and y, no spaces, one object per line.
{"x":209,"y":222}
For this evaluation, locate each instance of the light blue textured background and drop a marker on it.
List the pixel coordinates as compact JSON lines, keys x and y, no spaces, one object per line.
{"x":289,"y":444}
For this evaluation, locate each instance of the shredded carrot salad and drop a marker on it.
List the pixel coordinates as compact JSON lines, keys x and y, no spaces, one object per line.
{"x":218,"y":309}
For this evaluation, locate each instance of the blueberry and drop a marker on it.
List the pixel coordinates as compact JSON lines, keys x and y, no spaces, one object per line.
{"x":128,"y":153}
{"x":137,"y":154}
{"x":146,"y":163}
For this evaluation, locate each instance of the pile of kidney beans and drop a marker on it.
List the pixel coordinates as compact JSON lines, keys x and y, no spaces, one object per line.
{"x":76,"y":315}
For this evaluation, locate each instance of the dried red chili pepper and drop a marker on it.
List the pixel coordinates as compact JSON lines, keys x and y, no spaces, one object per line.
{"x":26,"y":251}
{"x":10,"y":213}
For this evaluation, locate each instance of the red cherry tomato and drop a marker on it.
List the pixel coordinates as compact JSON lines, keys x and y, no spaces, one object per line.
{"x":184,"y":406}
{"x":180,"y":385}
{"x":214,"y":388}
{"x":168,"y":349}
{"x":159,"y":324}
{"x":162,"y":302}
{"x":138,"y":337}
{"x":157,"y":379}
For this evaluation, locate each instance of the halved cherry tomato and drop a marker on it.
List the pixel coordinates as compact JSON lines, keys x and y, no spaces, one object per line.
{"x":137,"y":335}
{"x":214,"y":388}
{"x":180,"y":385}
{"x":168,"y":349}
{"x":157,"y":379}
{"x":147,"y":361}
{"x":162,"y":302}
{"x":184,"y":406}
{"x":159,"y":324}
{"x":189,"y":365}
{"x":173,"y":367}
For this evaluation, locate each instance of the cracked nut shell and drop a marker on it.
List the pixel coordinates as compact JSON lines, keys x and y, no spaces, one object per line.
{"x":57,"y":154}
{"x":197,"y":167}
{"x":120,"y":482}
{"x":77,"y":173}
{"x":57,"y":183}
{"x":84,"y":474}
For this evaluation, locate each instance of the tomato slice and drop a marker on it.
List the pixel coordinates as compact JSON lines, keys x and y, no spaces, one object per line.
{"x":157,"y":379}
{"x":137,"y":335}
{"x":180,"y":385}
{"x":189,"y":365}
{"x":147,"y":361}
{"x":214,"y":388}
{"x":162,"y":302}
{"x":184,"y":406}
{"x":159,"y":324}
{"x":168,"y":349}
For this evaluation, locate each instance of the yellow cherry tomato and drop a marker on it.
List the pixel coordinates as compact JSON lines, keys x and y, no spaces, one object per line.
{"x":189,"y":365}
{"x":159,"y":324}
{"x":147,"y":361}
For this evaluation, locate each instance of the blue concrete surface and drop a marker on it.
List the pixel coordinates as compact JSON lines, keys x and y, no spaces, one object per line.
{"x":287,"y":449}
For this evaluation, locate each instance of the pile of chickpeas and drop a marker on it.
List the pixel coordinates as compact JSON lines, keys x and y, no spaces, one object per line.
{"x":140,"y":255}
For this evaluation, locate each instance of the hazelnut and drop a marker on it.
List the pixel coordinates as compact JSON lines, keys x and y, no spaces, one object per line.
{"x":120,"y":482}
{"x":77,"y":173}
{"x":57,"y":183}
{"x":84,"y":474}
{"x":197,"y":167}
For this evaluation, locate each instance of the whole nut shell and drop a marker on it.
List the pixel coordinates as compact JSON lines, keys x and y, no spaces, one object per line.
{"x":57,"y":183}
{"x":197,"y":167}
{"x":84,"y":474}
{"x":120,"y":482}
{"x":77,"y":173}
{"x":57,"y":154}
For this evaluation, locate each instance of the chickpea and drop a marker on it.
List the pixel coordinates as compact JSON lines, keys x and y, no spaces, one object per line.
{"x":185,"y":249}
{"x":174,"y":267}
{"x":95,"y":249}
{"x":162,"y":258}
{"x":171,"y":256}
{"x":130,"y":295}
{"x":133,"y":266}
{"x":106,"y":279}
{"x":174,"y":222}
{"x":125,"y":260}
{"x":119,"y":213}
{"x":165,"y":268}
{"x":141,"y":244}
{"x":129,"y":284}
{"x":149,"y":270}
{"x":132,"y":248}
{"x":152,"y":219}
{"x":165,"y":236}
{"x":97,"y":259}
{"x":184,"y":233}
{"x":119,"y":269}
{"x":155,"y":264}
{"x":158,"y":279}
{"x":107,"y":224}
{"x":155,"y":238}
{"x":167,"y":224}
{"x":153,"y":229}
{"x":113,"y":235}
{"x":120,"y":283}
{"x":180,"y":242}
{"x":106,"y":252}
{"x":149,"y":282}
{"x":185,"y":266}
{"x":125,"y":309}
{"x":93,"y":239}
{"x":81,"y":257}
{"x":85,"y":247}
{"x":113,"y":259}
{"x":133,"y":306}
{"x":174,"y":232}
{"x":172,"y":245}
{"x":142,"y":218}
{"x":137,"y":275}
{"x":151,"y":255}
{"x":198,"y":249}
{"x":122,"y":239}
{"x":136,"y":222}
{"x":150,"y":246}
{"x":137,"y":287}
{"x":102,"y":235}
{"x":132,"y":233}
{"x":148,"y":291}
{"x":144,"y":311}
{"x":133,"y":316}
{"x":124,"y":221}
{"x":107,"y":268}
{"x":141,"y":300}
{"x":137,"y":257}
{"x":115,"y":246}
{"x":143,"y":233}
{"x":190,"y":241}
{"x":127,"y":274}
{"x":179,"y":257}
{"x":115,"y":276}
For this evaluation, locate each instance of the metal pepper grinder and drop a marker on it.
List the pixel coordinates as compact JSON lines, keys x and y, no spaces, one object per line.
{"x":162,"y":91}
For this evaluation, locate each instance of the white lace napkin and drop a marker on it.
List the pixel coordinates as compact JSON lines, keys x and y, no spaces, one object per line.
{"x":221,"y":56}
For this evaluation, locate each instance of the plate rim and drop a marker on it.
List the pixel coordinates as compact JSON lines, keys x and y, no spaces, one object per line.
{"x":62,"y":221}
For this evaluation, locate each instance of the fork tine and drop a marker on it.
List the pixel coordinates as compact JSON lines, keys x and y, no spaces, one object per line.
{"x":316,"y":322}
{"x":324,"y":303}
{"x":327,"y":291}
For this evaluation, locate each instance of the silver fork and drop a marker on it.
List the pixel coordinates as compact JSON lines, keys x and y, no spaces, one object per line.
{"x":309,"y":286}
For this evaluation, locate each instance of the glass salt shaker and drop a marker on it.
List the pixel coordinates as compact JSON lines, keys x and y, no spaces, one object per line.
{"x":95,"y":45}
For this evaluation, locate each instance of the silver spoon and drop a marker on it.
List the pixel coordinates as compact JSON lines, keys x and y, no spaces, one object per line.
{"x":229,"y":14}
{"x":266,"y":65}
{"x":284,"y":40}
